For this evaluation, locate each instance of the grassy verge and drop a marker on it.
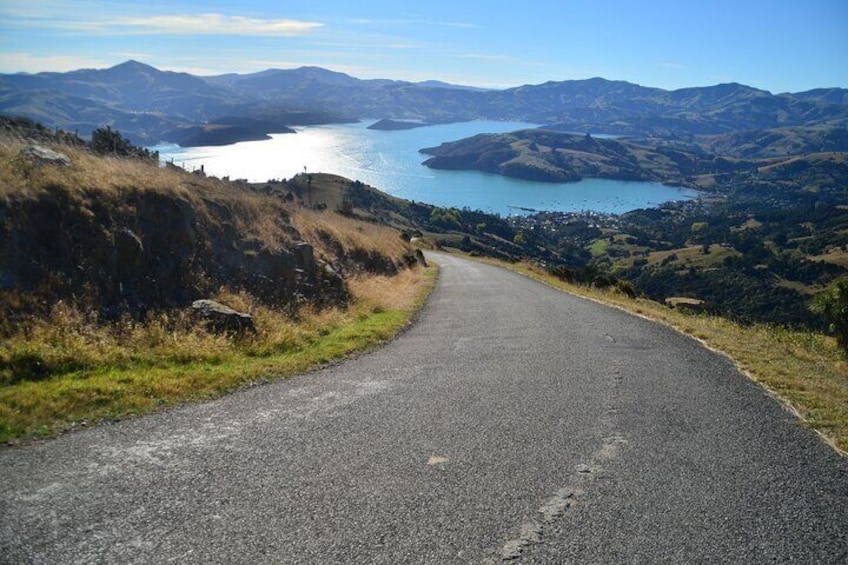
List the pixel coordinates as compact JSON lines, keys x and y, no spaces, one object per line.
{"x":80,"y":372}
{"x":804,"y":370}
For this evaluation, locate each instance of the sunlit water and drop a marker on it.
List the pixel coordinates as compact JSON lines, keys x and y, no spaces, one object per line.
{"x":391,"y":162}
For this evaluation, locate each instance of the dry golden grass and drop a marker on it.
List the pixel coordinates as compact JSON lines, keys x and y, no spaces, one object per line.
{"x":94,"y":371}
{"x":835,"y":256}
{"x":92,"y":179}
{"x":401,"y":292}
{"x":69,"y":340}
{"x":682,"y":300}
{"x":749,"y":224}
{"x":809,"y":289}
{"x":351,"y":233}
{"x":70,"y":367}
{"x":87,"y":173}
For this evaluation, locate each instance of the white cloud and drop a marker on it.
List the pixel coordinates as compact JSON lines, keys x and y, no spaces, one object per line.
{"x":177,"y":24}
{"x":213,"y":24}
{"x":25,"y":62}
{"x":671,"y":65}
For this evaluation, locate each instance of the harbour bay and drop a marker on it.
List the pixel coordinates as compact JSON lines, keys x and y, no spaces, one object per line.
{"x":391,"y":162}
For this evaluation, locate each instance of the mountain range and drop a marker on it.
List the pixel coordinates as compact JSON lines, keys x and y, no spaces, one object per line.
{"x":149,"y":105}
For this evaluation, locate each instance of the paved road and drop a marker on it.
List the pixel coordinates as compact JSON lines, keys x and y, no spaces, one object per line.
{"x":510,"y":423}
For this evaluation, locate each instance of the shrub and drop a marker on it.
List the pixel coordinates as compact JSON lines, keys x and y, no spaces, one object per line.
{"x":626,"y":288}
{"x":409,"y":259}
{"x":446,"y":218}
{"x":603,"y":280}
{"x":563,"y":273}
{"x":106,"y":141}
{"x":833,"y":305}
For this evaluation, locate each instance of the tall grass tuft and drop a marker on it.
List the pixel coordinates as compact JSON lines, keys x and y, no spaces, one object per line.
{"x":71,"y":368}
{"x":63,"y":365}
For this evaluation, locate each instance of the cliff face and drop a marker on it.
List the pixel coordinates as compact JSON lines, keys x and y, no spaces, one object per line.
{"x":148,"y":251}
{"x":119,"y":236}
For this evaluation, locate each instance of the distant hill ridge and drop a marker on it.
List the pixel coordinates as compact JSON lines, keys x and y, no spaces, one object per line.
{"x":146,"y":103}
{"x":546,"y":155}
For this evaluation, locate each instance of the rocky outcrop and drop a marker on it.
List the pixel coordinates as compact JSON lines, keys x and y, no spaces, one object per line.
{"x":357,"y":259}
{"x":221,"y":318}
{"x":150,"y":250}
{"x":304,"y":255}
{"x":44,"y":156}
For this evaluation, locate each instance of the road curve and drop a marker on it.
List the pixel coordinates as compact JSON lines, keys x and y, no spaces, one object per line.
{"x":510,"y":423}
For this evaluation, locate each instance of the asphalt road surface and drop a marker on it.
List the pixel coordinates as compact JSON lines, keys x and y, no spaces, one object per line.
{"x":511,"y":423}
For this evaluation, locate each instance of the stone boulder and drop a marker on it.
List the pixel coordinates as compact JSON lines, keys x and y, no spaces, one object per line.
{"x":222,"y":318}
{"x":44,"y":156}
{"x":304,"y":256}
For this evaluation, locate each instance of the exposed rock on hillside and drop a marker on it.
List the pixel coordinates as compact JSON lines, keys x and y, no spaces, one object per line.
{"x":222,"y":318}
{"x":44,"y":156}
{"x":142,"y":250}
{"x":122,"y":235}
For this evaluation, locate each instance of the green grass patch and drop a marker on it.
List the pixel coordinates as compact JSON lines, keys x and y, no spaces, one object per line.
{"x":121,"y":379}
{"x":693,"y":256}
{"x":598,"y":247}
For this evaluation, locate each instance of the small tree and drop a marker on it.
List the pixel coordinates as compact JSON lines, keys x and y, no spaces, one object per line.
{"x":520,"y":239}
{"x":446,"y":218}
{"x":833,"y":305}
{"x":106,"y":140}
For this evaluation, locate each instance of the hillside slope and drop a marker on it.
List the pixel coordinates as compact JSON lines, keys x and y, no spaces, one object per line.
{"x":120,"y":235}
{"x":160,"y":101}
{"x":552,"y":156}
{"x":126,"y":287}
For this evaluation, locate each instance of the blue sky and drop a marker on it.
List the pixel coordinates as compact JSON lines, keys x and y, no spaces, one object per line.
{"x":781,"y":45}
